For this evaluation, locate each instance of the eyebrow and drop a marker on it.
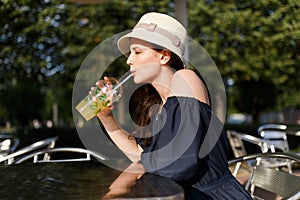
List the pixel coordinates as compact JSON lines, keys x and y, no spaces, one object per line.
{"x":139,"y":48}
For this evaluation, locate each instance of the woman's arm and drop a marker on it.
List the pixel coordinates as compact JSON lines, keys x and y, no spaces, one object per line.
{"x":125,"y":181}
{"x":126,"y":143}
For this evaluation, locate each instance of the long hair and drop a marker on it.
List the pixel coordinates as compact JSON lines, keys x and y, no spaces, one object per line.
{"x":142,"y":100}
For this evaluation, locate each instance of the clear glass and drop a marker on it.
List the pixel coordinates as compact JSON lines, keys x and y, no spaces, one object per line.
{"x":90,"y":106}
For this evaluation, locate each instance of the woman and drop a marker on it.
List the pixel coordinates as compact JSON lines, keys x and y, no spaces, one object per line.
{"x":173,"y":110}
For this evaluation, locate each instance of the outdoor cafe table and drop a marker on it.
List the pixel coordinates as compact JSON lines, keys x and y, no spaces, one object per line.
{"x":78,"y":180}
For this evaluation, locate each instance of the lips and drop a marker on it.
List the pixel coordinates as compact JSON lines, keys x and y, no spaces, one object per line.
{"x":133,"y":72}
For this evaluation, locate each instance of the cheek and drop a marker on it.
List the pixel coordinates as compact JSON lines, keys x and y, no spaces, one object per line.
{"x":149,"y":57}
{"x":146,"y":73}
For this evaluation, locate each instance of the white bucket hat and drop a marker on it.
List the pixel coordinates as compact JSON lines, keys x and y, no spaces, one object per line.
{"x":159,"y":29}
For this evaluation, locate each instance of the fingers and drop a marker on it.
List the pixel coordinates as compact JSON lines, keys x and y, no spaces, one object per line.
{"x":104,"y":85}
{"x":108,"y":82}
{"x":101,"y":84}
{"x":93,"y":92}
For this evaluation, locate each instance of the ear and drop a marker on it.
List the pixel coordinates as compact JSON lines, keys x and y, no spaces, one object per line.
{"x":165,"y":56}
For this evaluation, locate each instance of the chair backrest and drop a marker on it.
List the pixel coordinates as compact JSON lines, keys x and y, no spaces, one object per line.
{"x":275,"y":181}
{"x":236,"y":143}
{"x":48,"y":143}
{"x":8,"y":144}
{"x":72,"y":154}
{"x":272,"y":131}
{"x":237,"y":139}
{"x":275,"y":134}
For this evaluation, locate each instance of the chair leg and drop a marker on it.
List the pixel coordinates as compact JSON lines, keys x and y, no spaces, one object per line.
{"x":289,"y":165}
{"x":236,"y":169}
{"x":249,"y":182}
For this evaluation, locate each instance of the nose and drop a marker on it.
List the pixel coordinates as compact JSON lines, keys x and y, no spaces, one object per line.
{"x":129,"y":60}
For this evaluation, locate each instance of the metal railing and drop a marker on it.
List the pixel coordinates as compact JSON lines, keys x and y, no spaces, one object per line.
{"x":49,"y":143}
{"x":35,"y":155}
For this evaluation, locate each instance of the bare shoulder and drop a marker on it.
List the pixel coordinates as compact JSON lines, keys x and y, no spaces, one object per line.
{"x":186,"y":83}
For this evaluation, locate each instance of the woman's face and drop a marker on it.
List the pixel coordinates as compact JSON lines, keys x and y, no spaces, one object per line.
{"x":144,"y":62}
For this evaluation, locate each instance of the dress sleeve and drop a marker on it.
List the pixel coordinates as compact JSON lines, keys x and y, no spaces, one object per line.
{"x":177,"y":137}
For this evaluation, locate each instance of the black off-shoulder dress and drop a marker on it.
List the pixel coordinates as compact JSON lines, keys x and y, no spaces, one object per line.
{"x":190,"y":146}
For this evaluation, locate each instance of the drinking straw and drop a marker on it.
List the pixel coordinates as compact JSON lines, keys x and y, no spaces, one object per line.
{"x":117,"y":86}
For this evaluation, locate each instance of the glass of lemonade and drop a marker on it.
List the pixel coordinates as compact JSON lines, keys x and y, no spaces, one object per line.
{"x":90,"y":106}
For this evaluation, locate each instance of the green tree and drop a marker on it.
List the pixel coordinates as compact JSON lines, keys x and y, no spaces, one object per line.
{"x":251,"y":42}
{"x":255,"y":43}
{"x":47,"y":40}
{"x":24,"y":99}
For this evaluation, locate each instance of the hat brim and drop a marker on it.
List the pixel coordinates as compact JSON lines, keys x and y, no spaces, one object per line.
{"x":148,"y":36}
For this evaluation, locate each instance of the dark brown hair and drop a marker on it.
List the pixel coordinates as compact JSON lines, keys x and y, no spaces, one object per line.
{"x":142,"y":100}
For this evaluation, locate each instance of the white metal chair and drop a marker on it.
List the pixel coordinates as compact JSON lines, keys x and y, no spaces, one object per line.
{"x":276,"y":182}
{"x":237,"y":141}
{"x":8,"y":144}
{"x":237,"y":147}
{"x":67,"y":154}
{"x":49,"y":143}
{"x":275,"y":134}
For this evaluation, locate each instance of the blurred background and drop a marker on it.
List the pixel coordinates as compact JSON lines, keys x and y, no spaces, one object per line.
{"x":255,"y":44}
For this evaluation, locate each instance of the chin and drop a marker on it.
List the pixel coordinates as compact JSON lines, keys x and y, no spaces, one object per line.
{"x":139,"y":81}
{"x":136,"y":80}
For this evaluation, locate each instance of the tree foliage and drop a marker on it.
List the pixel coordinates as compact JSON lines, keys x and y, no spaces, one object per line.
{"x":254,"y":43}
{"x":47,"y":40}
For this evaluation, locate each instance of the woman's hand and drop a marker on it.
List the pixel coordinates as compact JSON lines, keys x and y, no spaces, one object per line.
{"x":103,"y":86}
